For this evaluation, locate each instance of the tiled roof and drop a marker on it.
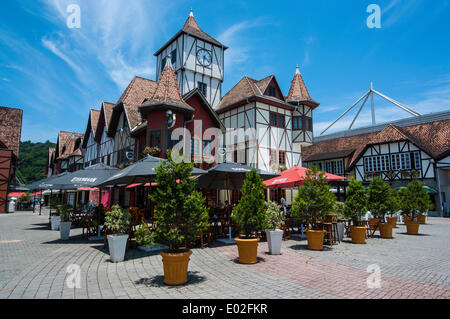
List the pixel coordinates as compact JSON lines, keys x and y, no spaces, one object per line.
{"x":11,"y":128}
{"x":245,"y":88}
{"x":432,"y":137}
{"x":262,"y":84}
{"x":298,"y":90}
{"x":107,"y":110}
{"x":95,"y":115}
{"x":137,"y":91}
{"x":167,"y":90}
{"x":66,"y":143}
{"x":191,"y":26}
{"x":330,"y":155}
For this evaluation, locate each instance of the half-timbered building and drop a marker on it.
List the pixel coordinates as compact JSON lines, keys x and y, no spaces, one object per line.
{"x":91,"y":148}
{"x":68,"y":155}
{"x":283,"y":125}
{"x":10,"y":133}
{"x":106,"y":142}
{"x":398,"y":152}
{"x":125,"y":118}
{"x":197,"y":59}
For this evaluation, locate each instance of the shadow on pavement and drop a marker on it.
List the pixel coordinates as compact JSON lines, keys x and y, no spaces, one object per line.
{"x":158,"y":281}
{"x":305,"y":247}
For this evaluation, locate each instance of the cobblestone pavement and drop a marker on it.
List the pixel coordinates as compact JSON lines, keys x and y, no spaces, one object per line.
{"x":33,"y":264}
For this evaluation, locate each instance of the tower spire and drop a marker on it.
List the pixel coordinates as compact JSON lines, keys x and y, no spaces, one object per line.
{"x":191,"y":14}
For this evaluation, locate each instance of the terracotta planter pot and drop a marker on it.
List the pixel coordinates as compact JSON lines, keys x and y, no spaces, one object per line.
{"x":373,"y":222}
{"x":358,"y":234}
{"x":406,"y":219}
{"x":412,"y":228}
{"x":422,"y":219}
{"x":248,"y":250}
{"x":392,"y":221}
{"x":175,"y":267}
{"x":315,"y":239}
{"x":385,"y":230}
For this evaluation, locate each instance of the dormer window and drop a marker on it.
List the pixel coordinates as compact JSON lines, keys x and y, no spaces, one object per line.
{"x":272,"y":91}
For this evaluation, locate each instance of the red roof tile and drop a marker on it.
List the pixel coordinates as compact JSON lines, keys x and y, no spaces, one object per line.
{"x":137,"y":91}
{"x":191,"y":27}
{"x":167,"y":90}
{"x":11,"y":128}
{"x":432,"y":137}
{"x":95,"y":115}
{"x":298,"y":90}
{"x":66,"y":143}
{"x":107,"y":110}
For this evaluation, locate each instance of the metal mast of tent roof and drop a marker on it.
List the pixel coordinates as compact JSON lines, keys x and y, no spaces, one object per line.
{"x":365,"y":97}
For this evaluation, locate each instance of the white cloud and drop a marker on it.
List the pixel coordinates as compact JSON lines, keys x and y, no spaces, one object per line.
{"x":114,"y":33}
{"x":397,"y":9}
{"x":236,"y":37}
{"x":52,"y":47}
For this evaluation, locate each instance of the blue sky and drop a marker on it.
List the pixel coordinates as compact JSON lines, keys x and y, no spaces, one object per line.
{"x":57,"y":74}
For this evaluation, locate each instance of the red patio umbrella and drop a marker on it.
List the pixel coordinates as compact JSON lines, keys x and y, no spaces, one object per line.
{"x":87,"y":189}
{"x":16,"y":194}
{"x":294,"y":176}
{"x":37,"y":193}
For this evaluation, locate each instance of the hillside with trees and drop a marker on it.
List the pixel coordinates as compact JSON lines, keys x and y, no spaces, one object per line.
{"x":33,"y":160}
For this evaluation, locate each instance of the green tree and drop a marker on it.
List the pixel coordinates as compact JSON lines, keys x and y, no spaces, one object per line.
{"x":117,"y":220}
{"x":356,"y":201}
{"x":414,"y":199}
{"x":32,"y":160}
{"x":249,"y":214}
{"x":180,"y":210}
{"x":274,"y":216}
{"x":314,"y":199}
{"x":381,"y":199}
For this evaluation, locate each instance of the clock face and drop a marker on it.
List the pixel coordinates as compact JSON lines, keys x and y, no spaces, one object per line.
{"x":204,"y":57}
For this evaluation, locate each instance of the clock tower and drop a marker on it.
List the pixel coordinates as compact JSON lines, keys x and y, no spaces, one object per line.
{"x":197,"y":59}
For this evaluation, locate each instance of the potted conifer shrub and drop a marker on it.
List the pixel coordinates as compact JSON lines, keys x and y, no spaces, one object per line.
{"x":117,"y":221}
{"x":65,"y":224}
{"x":396,"y":202}
{"x":313,"y":202}
{"x":273,"y":233}
{"x":250,"y":216}
{"x":381,"y":202}
{"x":413,"y":200}
{"x":181,"y":215}
{"x":355,"y":208}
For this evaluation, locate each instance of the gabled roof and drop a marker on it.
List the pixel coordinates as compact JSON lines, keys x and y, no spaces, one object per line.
{"x":66,"y":144}
{"x":248,"y":87}
{"x":92,"y":125}
{"x":107,"y":109}
{"x":298,"y":91}
{"x":137,"y":91}
{"x":196,"y":92}
{"x":51,"y":155}
{"x":167,"y":91}
{"x":191,"y":27}
{"x":11,"y":128}
{"x":432,"y":137}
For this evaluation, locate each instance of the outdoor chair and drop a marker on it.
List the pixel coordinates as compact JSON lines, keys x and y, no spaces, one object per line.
{"x":88,"y":225}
